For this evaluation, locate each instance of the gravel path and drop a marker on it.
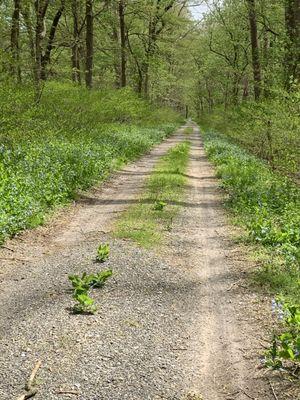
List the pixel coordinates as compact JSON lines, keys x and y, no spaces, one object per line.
{"x":169,"y":324}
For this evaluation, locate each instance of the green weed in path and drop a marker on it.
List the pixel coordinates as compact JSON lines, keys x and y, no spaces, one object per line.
{"x":146,"y":221}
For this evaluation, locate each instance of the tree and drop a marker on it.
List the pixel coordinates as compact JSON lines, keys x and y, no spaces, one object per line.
{"x":47,"y":55}
{"x":14,"y":41}
{"x":123,"y":42}
{"x":292,"y":53}
{"x":89,"y":40}
{"x":255,"y":49}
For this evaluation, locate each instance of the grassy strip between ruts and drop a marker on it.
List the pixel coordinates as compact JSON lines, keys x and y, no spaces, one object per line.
{"x":268,"y":206}
{"x":146,"y":221}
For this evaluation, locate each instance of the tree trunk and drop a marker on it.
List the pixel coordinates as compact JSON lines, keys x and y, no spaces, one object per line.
{"x":46,"y":57}
{"x":40,"y":32}
{"x":255,"y":49}
{"x":14,"y":41}
{"x":28,"y":24}
{"x":89,"y":44}
{"x":292,"y":53}
{"x":123,"y":42}
{"x":75,"y":58}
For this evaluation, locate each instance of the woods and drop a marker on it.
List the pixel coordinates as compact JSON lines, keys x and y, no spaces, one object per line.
{"x":160,"y":139}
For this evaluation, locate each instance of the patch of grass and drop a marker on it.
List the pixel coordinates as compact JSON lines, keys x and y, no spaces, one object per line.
{"x":146,"y":221}
{"x":72,"y":140}
{"x":267,"y":205}
{"x":188,"y":131}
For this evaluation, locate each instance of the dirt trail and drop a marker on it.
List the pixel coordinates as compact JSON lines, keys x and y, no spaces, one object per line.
{"x":169,"y":324}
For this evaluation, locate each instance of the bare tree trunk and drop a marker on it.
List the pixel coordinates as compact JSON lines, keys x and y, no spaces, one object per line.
{"x":245,"y":88}
{"x":89,"y":44}
{"x":40,"y":32}
{"x":255,"y":49}
{"x":14,"y":41}
{"x":123,"y":42}
{"x":76,"y":76}
{"x":28,"y":24}
{"x":292,"y":54}
{"x":46,"y":57}
{"x":115,"y":37}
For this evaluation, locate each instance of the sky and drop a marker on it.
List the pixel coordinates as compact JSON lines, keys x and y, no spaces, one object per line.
{"x":198,"y":11}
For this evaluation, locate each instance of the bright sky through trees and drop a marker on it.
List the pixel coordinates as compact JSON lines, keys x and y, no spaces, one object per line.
{"x":198,"y":10}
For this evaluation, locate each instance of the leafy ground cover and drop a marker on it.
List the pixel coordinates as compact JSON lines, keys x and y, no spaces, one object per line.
{"x":72,"y":140}
{"x":267,"y":205}
{"x":146,"y":221}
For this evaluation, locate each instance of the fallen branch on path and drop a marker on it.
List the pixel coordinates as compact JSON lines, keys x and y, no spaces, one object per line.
{"x":75,"y":392}
{"x":247,"y":394}
{"x":7,"y":248}
{"x":15,"y":259}
{"x":273,"y":391}
{"x":234,"y":284}
{"x":30,"y":388}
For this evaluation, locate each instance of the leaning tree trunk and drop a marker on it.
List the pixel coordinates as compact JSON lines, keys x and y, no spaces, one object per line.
{"x":292,"y":52}
{"x":46,"y":57}
{"x":89,"y":44}
{"x":14,"y":41}
{"x":255,"y":49}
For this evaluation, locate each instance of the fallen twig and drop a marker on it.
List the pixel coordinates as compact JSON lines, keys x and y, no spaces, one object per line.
{"x":7,"y":248}
{"x":29,"y":387}
{"x":273,"y":391}
{"x":33,"y":374}
{"x":247,"y":394}
{"x":75,"y":392}
{"x":14,"y":259}
{"x":234,"y":283}
{"x":28,"y":395}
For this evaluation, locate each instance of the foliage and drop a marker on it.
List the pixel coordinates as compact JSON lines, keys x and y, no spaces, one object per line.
{"x":267,"y":205}
{"x":268,"y":129}
{"x":103,"y":252}
{"x":286,"y":343}
{"x":48,"y":153}
{"x":159,"y":205}
{"x":82,"y":285}
{"x":145,"y":222}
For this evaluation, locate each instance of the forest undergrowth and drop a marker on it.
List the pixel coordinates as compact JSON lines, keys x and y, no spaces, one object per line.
{"x":71,"y":140}
{"x":266,"y":205}
{"x":269,"y":129}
